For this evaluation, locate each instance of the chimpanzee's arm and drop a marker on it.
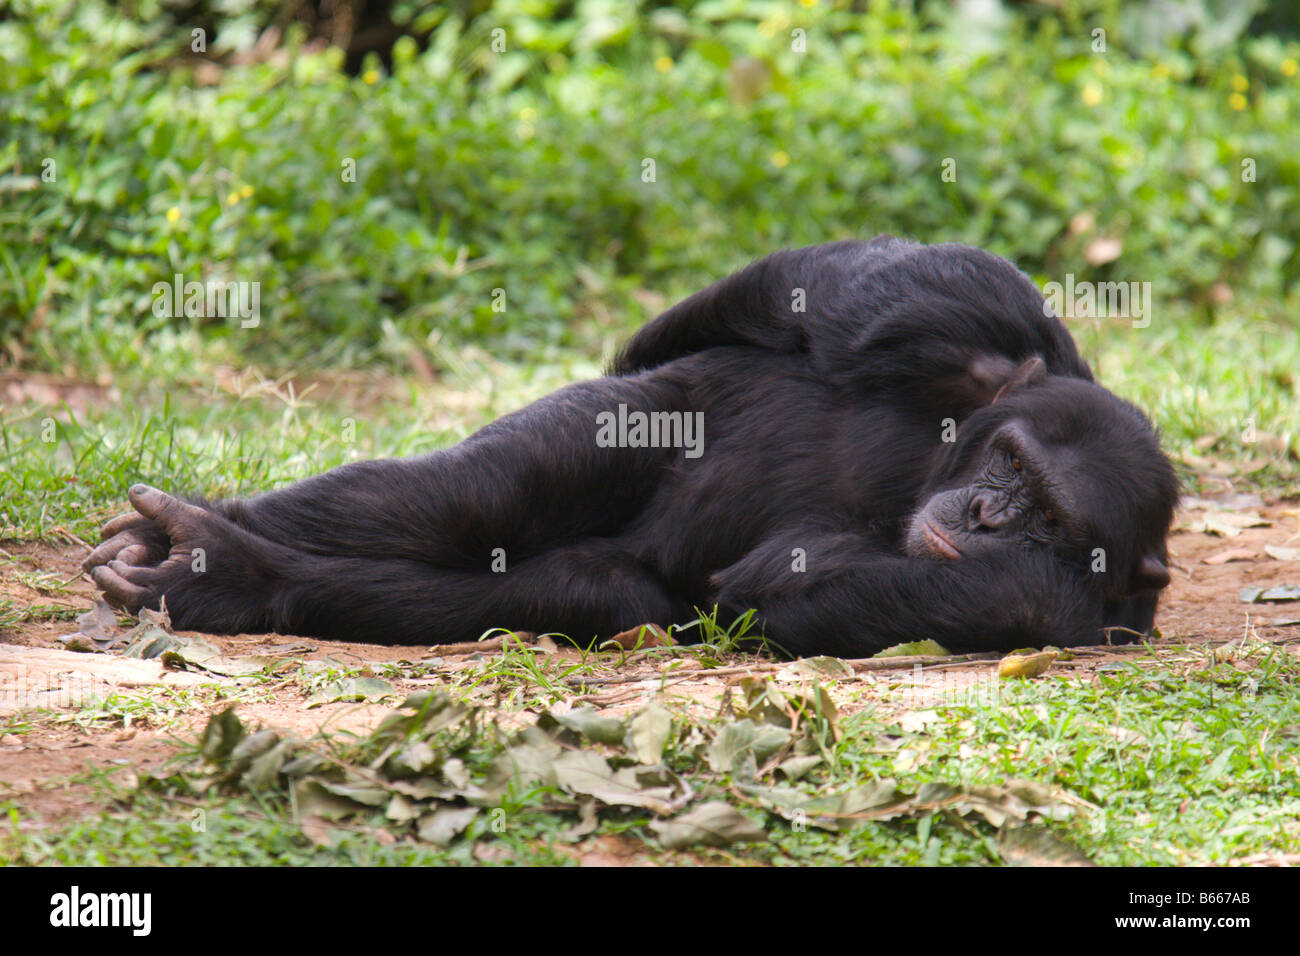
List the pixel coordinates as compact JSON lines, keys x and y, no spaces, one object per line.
{"x":854,"y":599}
{"x":943,"y":323}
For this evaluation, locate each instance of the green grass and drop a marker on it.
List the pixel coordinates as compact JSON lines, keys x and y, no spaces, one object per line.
{"x":1185,"y":759}
{"x":164,"y":832}
{"x":1190,"y":763}
{"x":160,"y":708}
{"x":1224,"y":390}
{"x":64,"y":470}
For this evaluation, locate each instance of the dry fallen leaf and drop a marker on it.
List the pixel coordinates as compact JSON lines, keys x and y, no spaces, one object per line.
{"x":644,"y":635}
{"x":1229,"y":554}
{"x":318,"y":830}
{"x":1214,"y":467}
{"x":1026,"y":665}
{"x":915,"y":721}
{"x":1229,"y":524}
{"x":711,"y":824}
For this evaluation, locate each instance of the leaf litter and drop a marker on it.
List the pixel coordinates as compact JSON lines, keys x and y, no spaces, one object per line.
{"x":439,"y":770}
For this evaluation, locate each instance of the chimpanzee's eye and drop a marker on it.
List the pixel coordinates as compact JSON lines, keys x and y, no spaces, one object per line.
{"x":1049,"y":514}
{"x":1015,"y":462}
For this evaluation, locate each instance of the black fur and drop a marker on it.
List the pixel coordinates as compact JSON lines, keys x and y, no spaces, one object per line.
{"x":822,"y":444}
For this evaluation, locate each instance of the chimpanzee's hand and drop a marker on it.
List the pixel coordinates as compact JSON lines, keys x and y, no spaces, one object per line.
{"x":214,"y":575}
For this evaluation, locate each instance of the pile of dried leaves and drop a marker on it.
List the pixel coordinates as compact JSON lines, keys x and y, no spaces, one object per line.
{"x":438,"y":769}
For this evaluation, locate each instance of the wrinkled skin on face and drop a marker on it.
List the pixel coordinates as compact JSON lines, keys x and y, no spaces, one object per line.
{"x":1002,"y":506}
{"x":1042,"y":467}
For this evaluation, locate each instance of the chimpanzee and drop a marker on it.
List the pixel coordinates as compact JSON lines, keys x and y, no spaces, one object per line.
{"x":867,"y":442}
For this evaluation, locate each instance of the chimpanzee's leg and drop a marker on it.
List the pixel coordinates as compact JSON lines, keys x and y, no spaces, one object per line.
{"x":587,"y":590}
{"x":221,"y":578}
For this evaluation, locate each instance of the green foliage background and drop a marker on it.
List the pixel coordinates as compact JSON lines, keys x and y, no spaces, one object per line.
{"x":522,"y":170}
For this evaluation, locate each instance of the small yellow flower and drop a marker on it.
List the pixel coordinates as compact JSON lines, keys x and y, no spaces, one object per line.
{"x":664,"y":64}
{"x":173,"y":214}
{"x":246,"y":191}
{"x":1290,"y":67}
{"x":232,"y":199}
{"x":1237,"y":101}
{"x":1091,"y":94}
{"x":780,"y":160}
{"x":528,"y":114}
{"x":1240,"y":83}
{"x":1161,"y":70}
{"x":371,"y":76}
{"x":807,"y":3}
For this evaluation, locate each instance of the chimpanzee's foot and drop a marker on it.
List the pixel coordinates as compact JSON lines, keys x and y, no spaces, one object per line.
{"x":214,"y":575}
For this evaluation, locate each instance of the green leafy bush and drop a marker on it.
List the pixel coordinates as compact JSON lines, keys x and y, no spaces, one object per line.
{"x":525,"y":170}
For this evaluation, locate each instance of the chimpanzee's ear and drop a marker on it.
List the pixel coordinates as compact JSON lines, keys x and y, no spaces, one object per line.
{"x":980,"y":380}
{"x":1029,"y":372}
{"x":989,"y":377}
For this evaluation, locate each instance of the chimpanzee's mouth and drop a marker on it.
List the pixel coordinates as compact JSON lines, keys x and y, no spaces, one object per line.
{"x":941,"y":541}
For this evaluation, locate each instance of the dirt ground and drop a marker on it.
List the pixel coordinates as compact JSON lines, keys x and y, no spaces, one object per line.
{"x":48,"y":741}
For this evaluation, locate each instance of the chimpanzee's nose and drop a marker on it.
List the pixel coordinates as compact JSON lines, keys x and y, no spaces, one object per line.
{"x":986,"y":512}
